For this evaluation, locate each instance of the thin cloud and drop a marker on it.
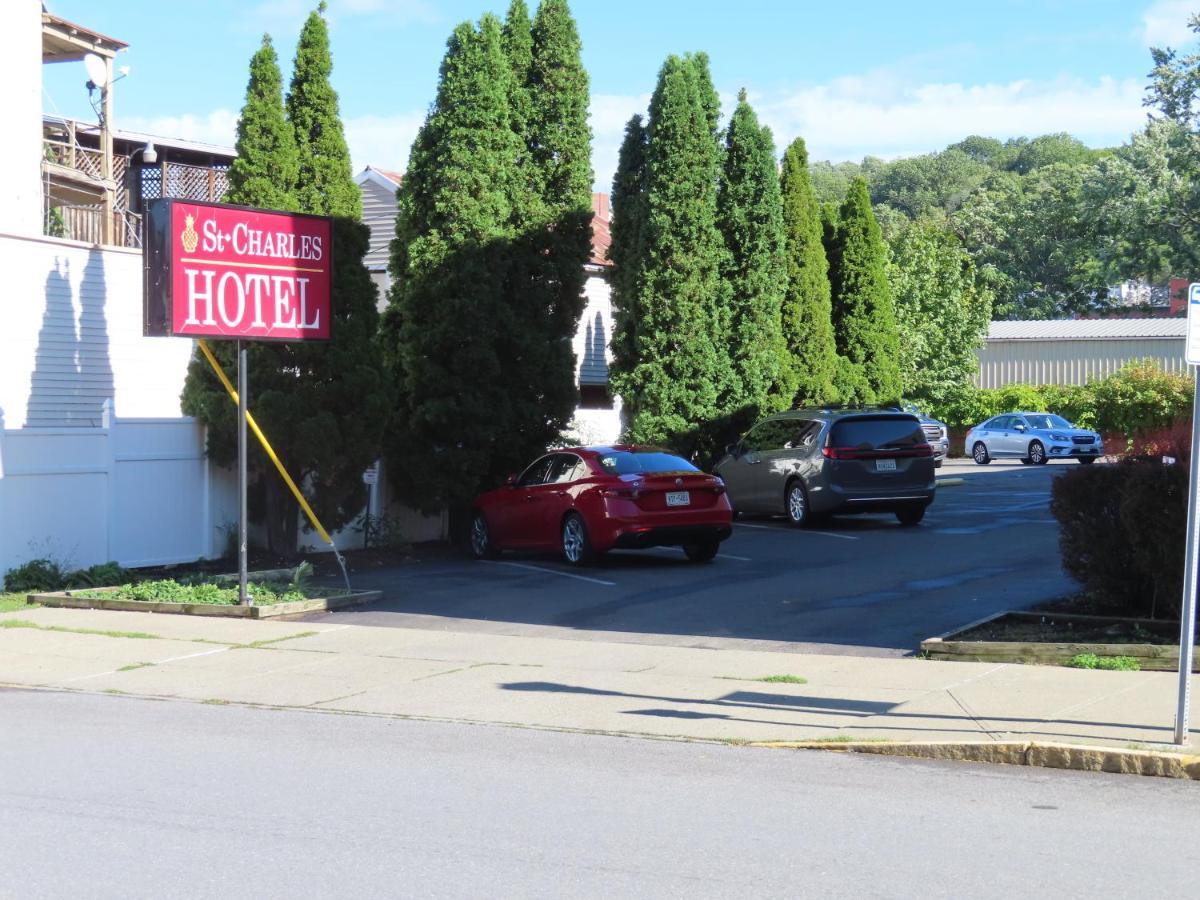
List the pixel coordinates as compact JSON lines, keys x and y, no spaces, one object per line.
{"x":216,"y":127}
{"x":1165,"y":23}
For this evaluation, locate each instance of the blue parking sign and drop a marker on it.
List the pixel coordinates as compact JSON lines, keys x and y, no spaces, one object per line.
{"x":1192,"y":347}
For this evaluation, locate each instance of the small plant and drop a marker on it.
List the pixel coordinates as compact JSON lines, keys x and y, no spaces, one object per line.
{"x":783,"y":679}
{"x":1111,"y":663}
{"x":381,"y":531}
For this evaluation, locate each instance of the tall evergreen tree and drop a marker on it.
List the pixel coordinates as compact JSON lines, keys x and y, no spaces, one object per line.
{"x":750,"y":216}
{"x":864,"y":314}
{"x":554,"y":226}
{"x":264,"y":172}
{"x":449,"y":316}
{"x":326,"y":182}
{"x":518,"y":47}
{"x":322,"y":407}
{"x":680,"y":367}
{"x":625,"y":251}
{"x":811,"y":364}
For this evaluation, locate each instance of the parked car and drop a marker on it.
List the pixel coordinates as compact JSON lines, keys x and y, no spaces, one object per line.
{"x":936,"y":433}
{"x":585,"y":501}
{"x":1034,"y":438}
{"x":811,"y":463}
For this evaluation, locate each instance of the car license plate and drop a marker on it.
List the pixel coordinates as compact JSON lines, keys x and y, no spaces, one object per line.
{"x":885,"y":465}
{"x":678,"y":498}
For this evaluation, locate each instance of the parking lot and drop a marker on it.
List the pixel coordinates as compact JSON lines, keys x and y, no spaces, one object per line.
{"x":861,"y":585}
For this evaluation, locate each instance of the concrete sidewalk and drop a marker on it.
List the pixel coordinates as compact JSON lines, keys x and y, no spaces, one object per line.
{"x":593,"y":685}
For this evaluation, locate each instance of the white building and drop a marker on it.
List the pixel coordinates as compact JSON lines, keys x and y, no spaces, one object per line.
{"x":97,"y":461}
{"x":1076,"y":351}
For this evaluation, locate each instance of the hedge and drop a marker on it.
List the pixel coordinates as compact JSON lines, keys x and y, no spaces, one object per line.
{"x":1139,"y":397}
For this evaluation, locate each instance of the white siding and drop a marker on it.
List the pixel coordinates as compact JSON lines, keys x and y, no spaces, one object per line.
{"x":379,"y":214}
{"x":592,"y":358}
{"x":1004,"y":362}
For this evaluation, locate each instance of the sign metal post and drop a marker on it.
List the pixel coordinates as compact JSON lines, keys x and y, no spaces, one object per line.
{"x":1187,"y":618}
{"x":243,"y":378}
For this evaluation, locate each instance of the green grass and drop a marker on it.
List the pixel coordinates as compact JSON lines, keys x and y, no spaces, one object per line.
{"x":266,"y":642}
{"x":9,"y":602}
{"x":782,"y":679}
{"x":1112,"y":663}
{"x":133,"y":666}
{"x":25,"y":623}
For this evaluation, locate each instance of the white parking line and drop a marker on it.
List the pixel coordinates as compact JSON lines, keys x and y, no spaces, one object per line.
{"x":731,"y":556}
{"x":517,"y":565}
{"x":844,"y":537}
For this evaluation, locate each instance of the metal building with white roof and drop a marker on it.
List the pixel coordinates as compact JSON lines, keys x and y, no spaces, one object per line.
{"x":1076,"y":351}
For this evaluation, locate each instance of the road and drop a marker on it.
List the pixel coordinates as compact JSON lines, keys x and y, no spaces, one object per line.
{"x":118,"y":797}
{"x":862,"y":585}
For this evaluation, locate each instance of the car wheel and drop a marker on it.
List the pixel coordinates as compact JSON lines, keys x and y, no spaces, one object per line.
{"x":980,"y":454}
{"x":1086,"y":460}
{"x":1037,"y":453}
{"x":576,"y":546}
{"x":702,"y":551}
{"x":911,"y":515}
{"x":1025,"y":460}
{"x":937,"y":463}
{"x":481,"y":538}
{"x":796,"y":504}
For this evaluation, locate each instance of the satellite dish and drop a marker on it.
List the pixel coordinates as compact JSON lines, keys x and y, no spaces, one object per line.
{"x":96,"y":70}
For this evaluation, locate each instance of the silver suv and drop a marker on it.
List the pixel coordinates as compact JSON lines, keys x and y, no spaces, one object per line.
{"x":811,"y":463}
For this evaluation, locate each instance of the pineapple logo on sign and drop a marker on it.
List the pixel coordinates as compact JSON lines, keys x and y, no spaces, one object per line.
{"x":189,"y":237}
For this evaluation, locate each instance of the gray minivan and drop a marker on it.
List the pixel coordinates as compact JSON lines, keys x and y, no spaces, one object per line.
{"x":811,"y":463}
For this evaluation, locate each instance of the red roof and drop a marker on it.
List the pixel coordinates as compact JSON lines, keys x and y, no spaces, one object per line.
{"x":601,"y":235}
{"x":394,"y":176}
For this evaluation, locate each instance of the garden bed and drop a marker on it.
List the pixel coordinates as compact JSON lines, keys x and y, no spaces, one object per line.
{"x":216,"y":596}
{"x":1058,"y":638}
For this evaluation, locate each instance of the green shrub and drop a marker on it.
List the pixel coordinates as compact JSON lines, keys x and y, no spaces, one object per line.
{"x":99,"y":575}
{"x":1112,"y":663}
{"x":1140,"y":396}
{"x":1122,"y":531}
{"x":35,"y":576}
{"x":169,"y":590}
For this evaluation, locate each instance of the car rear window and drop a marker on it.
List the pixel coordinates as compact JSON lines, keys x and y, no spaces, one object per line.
{"x":876,"y":433}
{"x":632,"y":462}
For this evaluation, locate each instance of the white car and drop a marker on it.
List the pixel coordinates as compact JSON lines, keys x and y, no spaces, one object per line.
{"x":1032,"y":437}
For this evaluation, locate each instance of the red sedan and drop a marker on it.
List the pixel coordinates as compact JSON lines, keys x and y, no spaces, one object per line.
{"x":586,"y":500}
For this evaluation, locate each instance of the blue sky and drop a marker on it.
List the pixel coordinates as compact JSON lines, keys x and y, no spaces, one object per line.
{"x":854,"y":79}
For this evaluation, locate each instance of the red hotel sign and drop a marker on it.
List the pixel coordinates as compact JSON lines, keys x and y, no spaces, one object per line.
{"x":219,"y":271}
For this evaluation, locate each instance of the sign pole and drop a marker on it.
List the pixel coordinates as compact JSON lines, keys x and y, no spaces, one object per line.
{"x":243,"y":593}
{"x":1187,"y":617}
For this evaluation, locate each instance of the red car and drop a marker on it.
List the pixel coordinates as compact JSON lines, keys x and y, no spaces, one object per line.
{"x":587,"y":500}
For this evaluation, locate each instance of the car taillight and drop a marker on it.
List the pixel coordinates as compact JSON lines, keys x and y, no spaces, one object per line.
{"x":625,"y":493}
{"x":718,"y":488}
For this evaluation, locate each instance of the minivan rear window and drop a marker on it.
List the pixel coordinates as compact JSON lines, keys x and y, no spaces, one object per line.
{"x":632,"y":462}
{"x":877,"y":433}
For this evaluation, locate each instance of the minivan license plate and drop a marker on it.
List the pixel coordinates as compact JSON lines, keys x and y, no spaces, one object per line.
{"x":678,"y":498}
{"x":885,"y":465}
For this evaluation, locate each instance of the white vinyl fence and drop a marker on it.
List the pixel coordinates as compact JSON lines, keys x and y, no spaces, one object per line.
{"x":138,"y":491}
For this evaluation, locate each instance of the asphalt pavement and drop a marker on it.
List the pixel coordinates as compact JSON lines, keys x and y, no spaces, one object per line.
{"x":117,"y":797}
{"x":861,"y":585}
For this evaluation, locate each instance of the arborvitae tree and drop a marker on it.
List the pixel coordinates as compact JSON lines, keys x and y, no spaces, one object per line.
{"x":449,"y":327}
{"x":811,"y":365}
{"x":750,"y":216}
{"x":323,"y":407}
{"x":625,"y":251}
{"x":264,"y":172}
{"x":680,"y":367}
{"x":518,"y":47}
{"x":555,"y":237}
{"x":864,"y":314}
{"x":326,"y":183}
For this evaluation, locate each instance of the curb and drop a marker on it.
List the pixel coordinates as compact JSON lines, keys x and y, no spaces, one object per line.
{"x":950,"y":482}
{"x":1080,"y":758}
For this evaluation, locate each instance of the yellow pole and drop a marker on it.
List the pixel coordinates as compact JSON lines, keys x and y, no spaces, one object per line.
{"x":262,"y":439}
